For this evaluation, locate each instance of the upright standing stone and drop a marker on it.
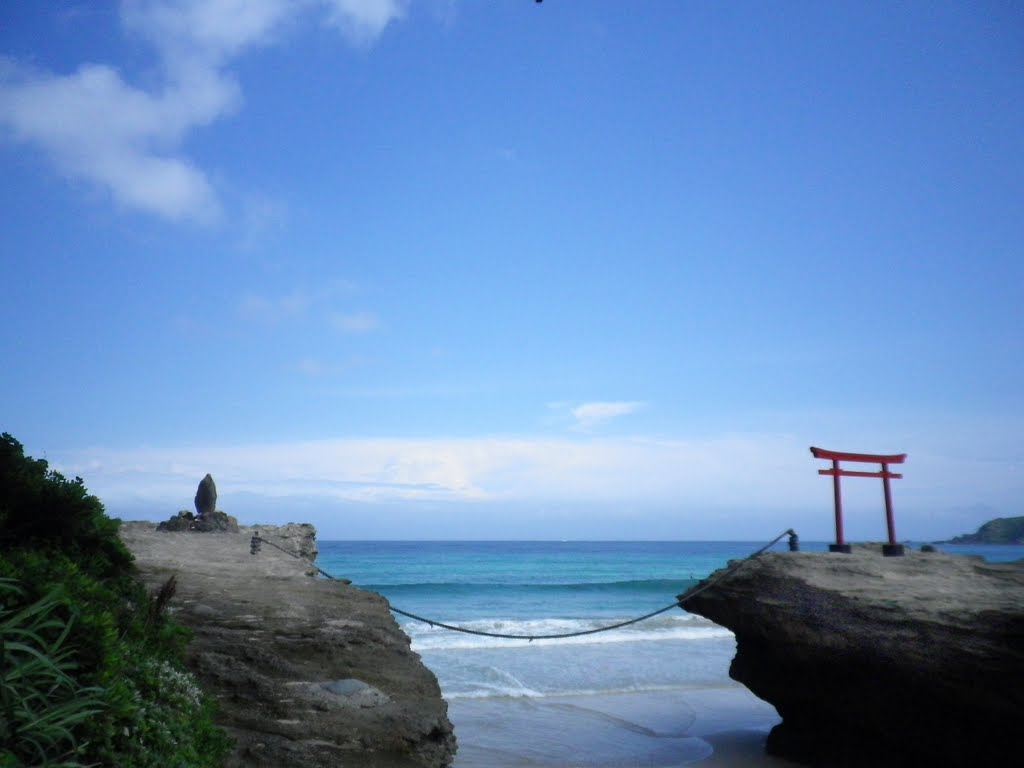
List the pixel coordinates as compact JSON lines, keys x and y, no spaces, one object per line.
{"x":206,"y":497}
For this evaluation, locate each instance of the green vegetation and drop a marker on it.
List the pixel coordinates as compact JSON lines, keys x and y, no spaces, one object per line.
{"x":1002,"y":530}
{"x":91,"y":668}
{"x":41,"y":703}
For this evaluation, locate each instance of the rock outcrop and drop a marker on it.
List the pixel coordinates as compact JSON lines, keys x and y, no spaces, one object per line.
{"x":206,"y":496}
{"x":207,"y":519}
{"x":299,"y":538}
{"x":880,"y":661}
{"x":215,"y":522}
{"x":308,"y":672}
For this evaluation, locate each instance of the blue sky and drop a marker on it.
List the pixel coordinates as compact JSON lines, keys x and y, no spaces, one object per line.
{"x":499,"y":269}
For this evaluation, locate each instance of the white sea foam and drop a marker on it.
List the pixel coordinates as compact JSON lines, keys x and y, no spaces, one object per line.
{"x":686,"y":627}
{"x":493,"y":682}
{"x":484,"y":691}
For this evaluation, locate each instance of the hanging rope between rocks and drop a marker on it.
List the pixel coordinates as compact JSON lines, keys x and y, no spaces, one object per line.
{"x":257,"y":540}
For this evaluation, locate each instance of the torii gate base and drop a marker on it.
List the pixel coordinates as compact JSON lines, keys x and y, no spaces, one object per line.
{"x":890,"y":549}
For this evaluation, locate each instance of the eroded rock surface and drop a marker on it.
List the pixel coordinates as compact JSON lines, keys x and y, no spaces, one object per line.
{"x":879,"y":661}
{"x":308,"y":672}
{"x":299,"y":538}
{"x":214,"y":522}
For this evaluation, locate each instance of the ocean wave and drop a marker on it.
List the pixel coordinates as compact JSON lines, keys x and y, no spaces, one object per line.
{"x":479,"y":690}
{"x":658,"y":629}
{"x":670,"y":587}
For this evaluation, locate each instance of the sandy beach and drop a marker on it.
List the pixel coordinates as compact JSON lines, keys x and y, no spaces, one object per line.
{"x":724,"y":727}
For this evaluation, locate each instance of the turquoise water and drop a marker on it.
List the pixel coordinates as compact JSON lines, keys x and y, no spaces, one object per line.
{"x":652,"y":694}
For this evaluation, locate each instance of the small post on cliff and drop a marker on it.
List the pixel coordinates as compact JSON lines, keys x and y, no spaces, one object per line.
{"x":892,"y":548}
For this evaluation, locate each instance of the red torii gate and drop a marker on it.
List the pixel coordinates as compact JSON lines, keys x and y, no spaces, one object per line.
{"x":890,"y":549}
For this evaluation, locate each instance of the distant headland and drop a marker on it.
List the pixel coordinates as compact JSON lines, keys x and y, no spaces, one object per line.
{"x":1002,"y":530}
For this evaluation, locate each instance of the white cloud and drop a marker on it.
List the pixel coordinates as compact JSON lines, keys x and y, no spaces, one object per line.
{"x":311,"y":367}
{"x":591,"y":415}
{"x":262,"y":218}
{"x":388,"y":469}
{"x":354,"y":322}
{"x":274,"y":310}
{"x":212,"y":30}
{"x":299,"y":305}
{"x":697,"y":484}
{"x":95,"y":126}
{"x":364,"y":20}
{"x":316,"y":368}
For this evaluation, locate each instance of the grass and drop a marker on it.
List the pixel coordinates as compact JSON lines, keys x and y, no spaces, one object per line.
{"x":42,"y":702}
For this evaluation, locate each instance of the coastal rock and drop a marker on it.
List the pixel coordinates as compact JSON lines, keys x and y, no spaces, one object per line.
{"x":299,"y":538}
{"x":881,"y":661}
{"x":214,"y":522}
{"x":307,"y":672}
{"x":208,"y":519}
{"x":206,"y":497}
{"x":183,"y":521}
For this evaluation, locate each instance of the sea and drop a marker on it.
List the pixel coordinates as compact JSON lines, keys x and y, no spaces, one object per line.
{"x":656,"y":693}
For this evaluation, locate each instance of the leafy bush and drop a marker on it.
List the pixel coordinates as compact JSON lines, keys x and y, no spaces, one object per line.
{"x":95,"y":631}
{"x":41,"y":509}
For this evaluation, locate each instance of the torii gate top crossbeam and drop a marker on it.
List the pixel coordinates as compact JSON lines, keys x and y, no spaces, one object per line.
{"x":867,"y":458}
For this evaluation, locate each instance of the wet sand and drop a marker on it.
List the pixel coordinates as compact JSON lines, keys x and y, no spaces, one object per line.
{"x":722,"y":727}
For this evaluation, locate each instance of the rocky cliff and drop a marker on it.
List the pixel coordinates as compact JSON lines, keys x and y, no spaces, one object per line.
{"x":308,"y":672}
{"x":871,"y":660}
